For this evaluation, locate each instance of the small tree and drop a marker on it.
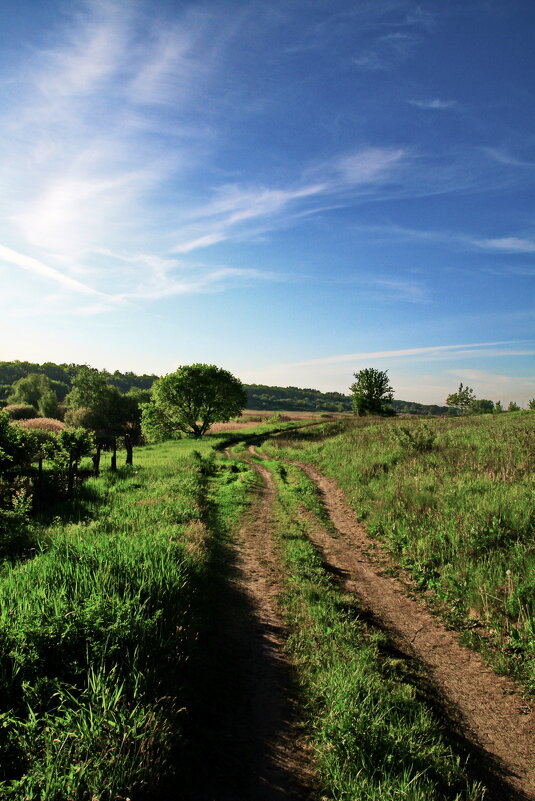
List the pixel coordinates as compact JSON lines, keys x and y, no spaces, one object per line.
{"x":190,"y":400}
{"x":73,"y":444}
{"x":372,"y":392}
{"x":513,"y":407}
{"x":462,"y":400}
{"x":482,"y":406}
{"x":531,"y":404}
{"x":498,"y":407}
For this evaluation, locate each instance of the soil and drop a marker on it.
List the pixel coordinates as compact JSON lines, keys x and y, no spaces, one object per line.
{"x":281,"y":767}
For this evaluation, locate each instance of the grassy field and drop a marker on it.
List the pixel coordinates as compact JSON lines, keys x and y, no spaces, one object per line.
{"x":110,"y":661}
{"x":452,"y":501}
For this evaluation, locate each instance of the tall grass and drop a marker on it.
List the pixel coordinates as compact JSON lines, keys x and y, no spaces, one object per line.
{"x":96,"y":632}
{"x":452,"y":500}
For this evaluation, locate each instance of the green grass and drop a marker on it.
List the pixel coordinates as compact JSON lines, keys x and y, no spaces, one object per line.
{"x":96,"y":634}
{"x":372,"y":732}
{"x":452,"y":501}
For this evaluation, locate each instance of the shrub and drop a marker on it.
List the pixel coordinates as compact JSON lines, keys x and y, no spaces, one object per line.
{"x":19,"y":411}
{"x":420,"y":438}
{"x":43,"y":423}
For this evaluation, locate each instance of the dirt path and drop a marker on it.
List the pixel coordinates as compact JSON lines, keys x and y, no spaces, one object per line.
{"x":259,"y":739}
{"x":488,"y":709}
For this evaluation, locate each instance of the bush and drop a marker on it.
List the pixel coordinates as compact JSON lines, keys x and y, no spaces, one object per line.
{"x":19,"y":411}
{"x":420,"y":438}
{"x":43,"y":423}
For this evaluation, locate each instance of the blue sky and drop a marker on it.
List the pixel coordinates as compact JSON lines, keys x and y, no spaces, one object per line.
{"x":289,"y":190}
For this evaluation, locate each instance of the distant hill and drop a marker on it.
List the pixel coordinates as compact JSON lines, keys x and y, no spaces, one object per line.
{"x":293,"y":399}
{"x":259,"y":396}
{"x":62,"y":374}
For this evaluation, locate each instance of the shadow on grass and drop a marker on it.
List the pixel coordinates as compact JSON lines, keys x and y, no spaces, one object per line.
{"x":235,"y":678}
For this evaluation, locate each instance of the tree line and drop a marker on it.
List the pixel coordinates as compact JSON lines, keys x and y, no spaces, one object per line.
{"x":259,"y":396}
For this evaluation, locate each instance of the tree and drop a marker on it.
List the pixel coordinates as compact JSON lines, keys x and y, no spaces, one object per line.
{"x":498,"y":407}
{"x":73,"y":444}
{"x":482,"y":406}
{"x":100,"y":407}
{"x":190,"y":400}
{"x":372,"y":392}
{"x":513,"y":407}
{"x":31,"y":389}
{"x":462,"y":400}
{"x":531,"y":404}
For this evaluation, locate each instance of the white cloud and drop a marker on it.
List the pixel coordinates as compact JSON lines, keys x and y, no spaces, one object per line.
{"x":503,"y":157}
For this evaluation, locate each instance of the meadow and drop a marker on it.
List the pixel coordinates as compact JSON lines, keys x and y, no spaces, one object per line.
{"x":112,"y":657}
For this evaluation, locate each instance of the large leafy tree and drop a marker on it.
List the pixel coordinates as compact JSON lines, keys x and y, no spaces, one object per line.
{"x":371,"y":392}
{"x":189,"y":400}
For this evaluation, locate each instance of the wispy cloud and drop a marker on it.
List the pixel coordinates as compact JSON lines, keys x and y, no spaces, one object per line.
{"x":434,"y":104}
{"x":41,"y":270}
{"x":235,"y":205}
{"x":504,"y":157}
{"x":472,"y":349}
{"x":506,"y":244}
{"x":456,"y":239}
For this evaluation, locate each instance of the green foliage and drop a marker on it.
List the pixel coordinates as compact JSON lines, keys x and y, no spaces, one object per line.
{"x":191,"y":399}
{"x":260,"y":396}
{"x":75,"y":442}
{"x":531,"y":404}
{"x":372,"y":392}
{"x":420,"y":438}
{"x":513,"y":407}
{"x":482,"y":406}
{"x":30,"y":389}
{"x":89,"y":390}
{"x":16,"y":445}
{"x":462,"y":400}
{"x":48,"y":404}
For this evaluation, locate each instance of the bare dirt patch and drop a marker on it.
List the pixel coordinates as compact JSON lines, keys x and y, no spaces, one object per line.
{"x":251,"y":418}
{"x":280,"y":764}
{"x":488,"y":709}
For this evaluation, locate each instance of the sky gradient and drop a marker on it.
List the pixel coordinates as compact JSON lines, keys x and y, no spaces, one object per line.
{"x":290,"y":190}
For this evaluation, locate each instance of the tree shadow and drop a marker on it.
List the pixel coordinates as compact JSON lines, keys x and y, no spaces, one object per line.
{"x":235,"y":715}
